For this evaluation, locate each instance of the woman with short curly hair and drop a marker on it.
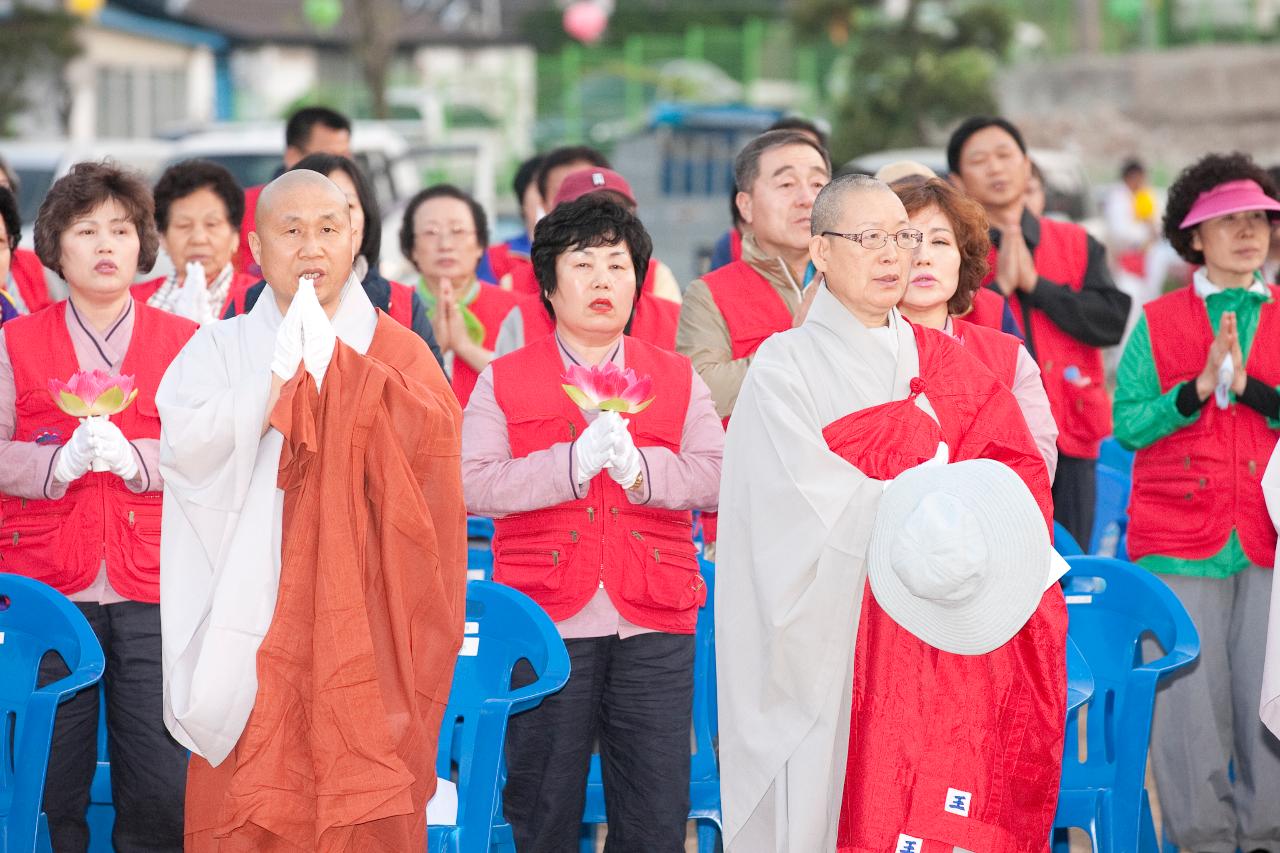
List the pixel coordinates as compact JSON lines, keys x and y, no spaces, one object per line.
{"x":946,"y":271}
{"x":80,"y":498}
{"x":1196,"y":397}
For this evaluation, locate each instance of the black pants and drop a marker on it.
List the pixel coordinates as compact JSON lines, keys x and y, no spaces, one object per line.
{"x":636,"y":696}
{"x":1074,"y":489}
{"x":148,"y":768}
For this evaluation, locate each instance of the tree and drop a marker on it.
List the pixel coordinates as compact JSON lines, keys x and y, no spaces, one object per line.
{"x":378,"y":25}
{"x":33,"y":43}
{"x":909,"y":76}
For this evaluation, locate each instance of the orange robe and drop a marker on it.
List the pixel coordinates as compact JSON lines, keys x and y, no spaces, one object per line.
{"x":355,"y":670}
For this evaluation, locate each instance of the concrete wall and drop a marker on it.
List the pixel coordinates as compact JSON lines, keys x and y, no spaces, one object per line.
{"x":1167,"y":107}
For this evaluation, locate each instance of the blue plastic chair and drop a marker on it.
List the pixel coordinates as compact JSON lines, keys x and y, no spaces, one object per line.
{"x":1114,"y":456}
{"x":1079,"y":677}
{"x":1065,"y":543}
{"x":503,"y":626}
{"x":479,"y":548}
{"x":101,"y":815}
{"x":1112,"y":606}
{"x":704,"y":770}
{"x":35,"y":619}
{"x":1110,"y":514}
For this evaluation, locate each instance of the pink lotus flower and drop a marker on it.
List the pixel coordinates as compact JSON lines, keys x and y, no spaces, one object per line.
{"x":93,"y":392}
{"x":607,"y":388}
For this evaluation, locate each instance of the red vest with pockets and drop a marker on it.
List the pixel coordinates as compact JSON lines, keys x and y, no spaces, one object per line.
{"x":63,"y":542}
{"x":988,"y":306}
{"x":1081,"y":409}
{"x":752,"y":309}
{"x":1192,"y":487}
{"x":996,"y":349}
{"x":559,"y":556}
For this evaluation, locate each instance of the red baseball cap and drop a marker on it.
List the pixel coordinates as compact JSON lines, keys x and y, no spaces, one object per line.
{"x":595,"y":179}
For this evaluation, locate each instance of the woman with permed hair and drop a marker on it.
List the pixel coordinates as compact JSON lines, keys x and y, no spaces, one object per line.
{"x":1196,"y":398}
{"x":80,"y":498}
{"x":947,"y":270}
{"x":593,"y":522}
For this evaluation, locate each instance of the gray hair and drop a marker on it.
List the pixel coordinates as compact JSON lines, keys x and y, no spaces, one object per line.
{"x":746,"y":166}
{"x":830,"y":203}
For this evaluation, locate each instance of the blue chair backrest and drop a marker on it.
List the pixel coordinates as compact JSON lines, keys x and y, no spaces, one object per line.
{"x":1079,"y":677}
{"x":1110,"y":514}
{"x":35,"y":619}
{"x":1064,"y":542}
{"x":1114,"y":456}
{"x":1112,"y":605}
{"x":705,"y":707}
{"x":479,"y":529}
{"x":503,"y":626}
{"x":479,"y":564}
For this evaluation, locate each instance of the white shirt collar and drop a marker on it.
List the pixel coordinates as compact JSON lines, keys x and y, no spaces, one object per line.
{"x":1205,"y":288}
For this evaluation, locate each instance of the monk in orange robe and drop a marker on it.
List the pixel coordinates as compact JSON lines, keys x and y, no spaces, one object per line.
{"x":313,"y":554}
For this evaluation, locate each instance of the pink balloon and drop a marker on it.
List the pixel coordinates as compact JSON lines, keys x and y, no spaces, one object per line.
{"x":585,"y":21}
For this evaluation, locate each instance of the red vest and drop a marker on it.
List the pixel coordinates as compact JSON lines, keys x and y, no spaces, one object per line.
{"x":240,"y":282}
{"x":400,"y":305}
{"x":1081,"y":409}
{"x":654,"y":322}
{"x":63,"y":542}
{"x":752,"y":309}
{"x":988,"y":307}
{"x":560,"y":555}
{"x":996,"y":349}
{"x":523,"y":281}
{"x":1192,"y":487}
{"x":244,"y":257}
{"x":491,"y":306}
{"x":502,"y":260}
{"x":28,"y":275}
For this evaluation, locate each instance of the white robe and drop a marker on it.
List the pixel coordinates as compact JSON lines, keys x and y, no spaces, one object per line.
{"x":795,"y":524}
{"x":1269,"y":708}
{"x":222,"y":518}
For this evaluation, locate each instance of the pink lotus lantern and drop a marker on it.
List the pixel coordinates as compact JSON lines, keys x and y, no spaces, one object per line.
{"x":585,"y":20}
{"x":93,"y":394}
{"x":607,"y":388}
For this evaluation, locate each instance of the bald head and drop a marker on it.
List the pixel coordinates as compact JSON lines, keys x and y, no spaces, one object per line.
{"x":285,"y":191}
{"x":836,"y":197}
{"x":303,"y":227}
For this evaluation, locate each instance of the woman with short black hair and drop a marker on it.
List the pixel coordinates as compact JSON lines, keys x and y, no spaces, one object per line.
{"x":1196,"y":397}
{"x":12,"y":231}
{"x":80,"y":498}
{"x":592,"y":522}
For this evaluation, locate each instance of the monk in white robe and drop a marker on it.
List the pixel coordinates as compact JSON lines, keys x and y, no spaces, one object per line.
{"x":313,"y":553}
{"x":1269,"y":709}
{"x":796,"y":517}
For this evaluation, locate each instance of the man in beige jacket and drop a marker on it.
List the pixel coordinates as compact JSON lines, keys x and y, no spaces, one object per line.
{"x":728,"y":313}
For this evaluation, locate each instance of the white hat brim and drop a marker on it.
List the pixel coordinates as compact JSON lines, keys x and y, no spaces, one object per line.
{"x":1018,"y":560}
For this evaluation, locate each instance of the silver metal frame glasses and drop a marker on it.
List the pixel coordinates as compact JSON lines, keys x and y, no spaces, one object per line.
{"x":874,"y":238}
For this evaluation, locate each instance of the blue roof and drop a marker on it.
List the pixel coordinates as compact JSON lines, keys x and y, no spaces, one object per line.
{"x":114,"y":18}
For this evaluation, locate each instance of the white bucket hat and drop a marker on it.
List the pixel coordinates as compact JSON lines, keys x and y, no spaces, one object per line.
{"x":960,"y":555}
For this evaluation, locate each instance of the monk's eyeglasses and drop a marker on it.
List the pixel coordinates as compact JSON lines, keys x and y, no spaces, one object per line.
{"x":875,"y":238}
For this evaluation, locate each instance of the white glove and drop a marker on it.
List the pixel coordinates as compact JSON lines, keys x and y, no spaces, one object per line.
{"x":1221,"y":391}
{"x":76,"y":455}
{"x":193,"y":296}
{"x":318,"y":337}
{"x":288,"y":352}
{"x":112,"y":448}
{"x":594,"y":448}
{"x":624,"y":462}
